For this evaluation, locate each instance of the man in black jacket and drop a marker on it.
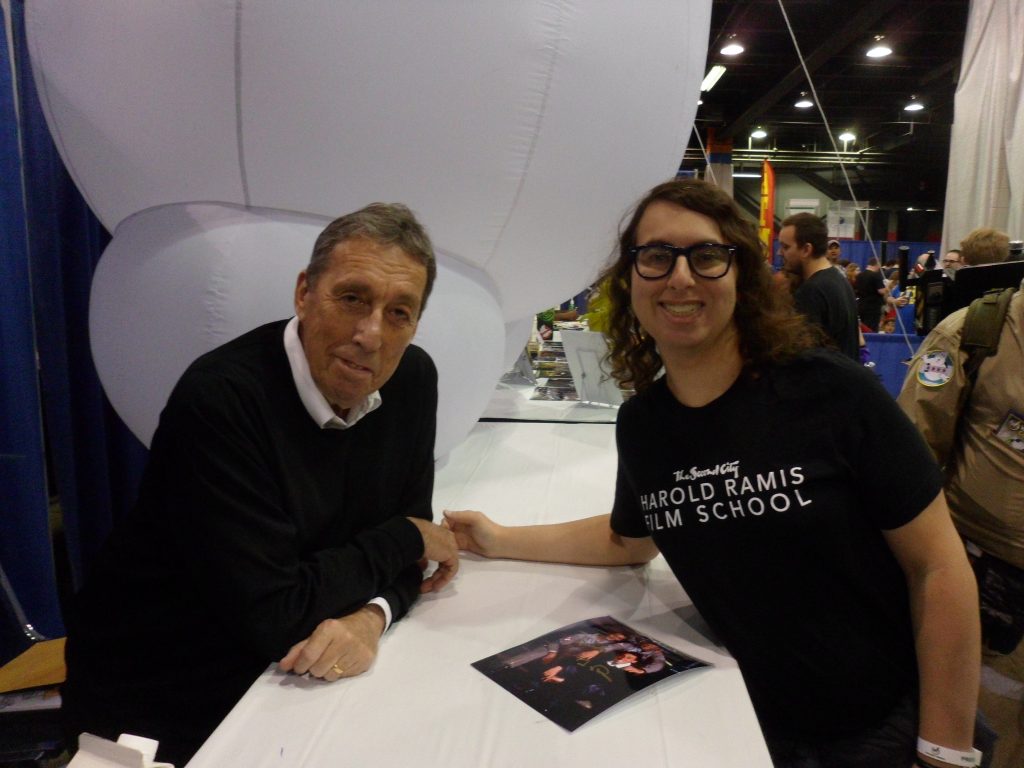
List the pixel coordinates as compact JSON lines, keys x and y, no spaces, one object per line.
{"x":285,"y":510}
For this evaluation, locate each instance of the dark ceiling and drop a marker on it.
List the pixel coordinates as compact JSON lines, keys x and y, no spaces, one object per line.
{"x":899,"y":158}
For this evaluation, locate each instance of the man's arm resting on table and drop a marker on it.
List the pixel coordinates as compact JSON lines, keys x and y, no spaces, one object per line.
{"x":347,"y":646}
{"x":589,"y":541}
{"x":342,"y":647}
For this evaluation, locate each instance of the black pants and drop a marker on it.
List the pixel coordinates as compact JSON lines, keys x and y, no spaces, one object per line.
{"x":893,"y":743}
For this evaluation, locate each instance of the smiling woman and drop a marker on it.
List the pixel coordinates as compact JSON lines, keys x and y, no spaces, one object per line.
{"x":684,"y":213}
{"x":772,"y":477}
{"x":689,"y":316}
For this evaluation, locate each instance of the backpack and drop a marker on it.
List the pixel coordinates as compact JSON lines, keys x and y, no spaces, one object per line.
{"x":982,"y":328}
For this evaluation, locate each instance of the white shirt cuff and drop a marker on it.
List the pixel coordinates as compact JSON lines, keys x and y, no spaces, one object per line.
{"x":380,"y":601}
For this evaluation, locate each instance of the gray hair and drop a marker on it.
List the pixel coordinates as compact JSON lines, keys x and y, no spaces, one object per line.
{"x":384,"y":224}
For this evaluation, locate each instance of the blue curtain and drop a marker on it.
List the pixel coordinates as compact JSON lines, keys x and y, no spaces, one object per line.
{"x":24,"y":537}
{"x":95,"y":462}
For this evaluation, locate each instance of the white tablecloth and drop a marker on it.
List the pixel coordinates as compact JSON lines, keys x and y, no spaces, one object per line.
{"x":423,"y":705}
{"x":512,"y":402}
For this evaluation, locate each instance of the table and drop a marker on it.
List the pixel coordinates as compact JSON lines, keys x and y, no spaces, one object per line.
{"x":511,"y":402}
{"x":422,"y":704}
{"x":40,"y":664}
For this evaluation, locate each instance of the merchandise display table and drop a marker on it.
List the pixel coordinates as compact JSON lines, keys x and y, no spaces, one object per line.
{"x":511,"y":402}
{"x":422,"y":704}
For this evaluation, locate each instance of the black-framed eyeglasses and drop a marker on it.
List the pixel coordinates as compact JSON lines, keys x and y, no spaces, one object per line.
{"x":708,"y":260}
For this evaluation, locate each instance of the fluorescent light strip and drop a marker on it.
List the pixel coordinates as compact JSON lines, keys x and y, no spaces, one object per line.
{"x":712,"y":77}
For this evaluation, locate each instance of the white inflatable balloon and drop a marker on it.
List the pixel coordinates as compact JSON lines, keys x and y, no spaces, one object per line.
{"x":518,"y":132}
{"x":179,"y":280}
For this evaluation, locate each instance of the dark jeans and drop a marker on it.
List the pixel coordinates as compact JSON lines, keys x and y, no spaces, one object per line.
{"x":890,"y":744}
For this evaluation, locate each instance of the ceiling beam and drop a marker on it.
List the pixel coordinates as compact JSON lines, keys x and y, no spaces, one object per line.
{"x":843,"y":35}
{"x":813,"y":179}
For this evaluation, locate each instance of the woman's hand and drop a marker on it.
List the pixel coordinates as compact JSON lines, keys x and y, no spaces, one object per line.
{"x":474,"y":531}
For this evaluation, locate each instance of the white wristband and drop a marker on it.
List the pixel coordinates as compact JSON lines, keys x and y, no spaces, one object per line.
{"x":947,"y":755}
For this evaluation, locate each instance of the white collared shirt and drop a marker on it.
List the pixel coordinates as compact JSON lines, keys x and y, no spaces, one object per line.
{"x":316,"y":404}
{"x":321,"y":411}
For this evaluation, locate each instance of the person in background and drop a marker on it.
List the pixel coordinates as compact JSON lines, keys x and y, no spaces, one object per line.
{"x":575,"y":307}
{"x":984,"y":246}
{"x":951,"y":262}
{"x":773,"y":477}
{"x":568,"y":311}
{"x":871,"y":294}
{"x":899,"y":302}
{"x":822,"y":296}
{"x":285,"y":510}
{"x":546,"y":324}
{"x":834,"y":252}
{"x":977,"y":435}
{"x":852,"y":270}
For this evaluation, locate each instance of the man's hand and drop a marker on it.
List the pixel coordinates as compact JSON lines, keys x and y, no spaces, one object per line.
{"x":438,"y":545}
{"x":474,"y":531}
{"x":338,"y":648}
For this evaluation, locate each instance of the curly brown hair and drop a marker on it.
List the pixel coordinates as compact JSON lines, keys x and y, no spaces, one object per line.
{"x":770,"y":330}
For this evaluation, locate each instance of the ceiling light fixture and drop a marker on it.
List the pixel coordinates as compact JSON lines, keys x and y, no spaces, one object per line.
{"x":732,"y":47}
{"x":913,"y":105}
{"x":803,"y":102}
{"x":712,"y":77}
{"x":758,"y":133}
{"x":880,"y":49}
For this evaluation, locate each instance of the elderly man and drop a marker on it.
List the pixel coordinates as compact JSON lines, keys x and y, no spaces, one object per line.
{"x":285,"y":511}
{"x":823,"y":295}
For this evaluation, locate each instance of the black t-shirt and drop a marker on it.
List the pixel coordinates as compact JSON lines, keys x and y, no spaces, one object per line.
{"x":826,"y":298}
{"x":769,"y":505}
{"x":866,"y":286}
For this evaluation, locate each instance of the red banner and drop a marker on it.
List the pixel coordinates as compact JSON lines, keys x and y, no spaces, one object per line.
{"x":766,"y":227}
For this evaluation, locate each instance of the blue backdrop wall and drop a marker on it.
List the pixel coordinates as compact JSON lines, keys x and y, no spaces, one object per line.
{"x":59,"y":437}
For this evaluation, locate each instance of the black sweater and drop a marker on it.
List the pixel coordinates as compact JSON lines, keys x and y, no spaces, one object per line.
{"x":252,"y":526}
